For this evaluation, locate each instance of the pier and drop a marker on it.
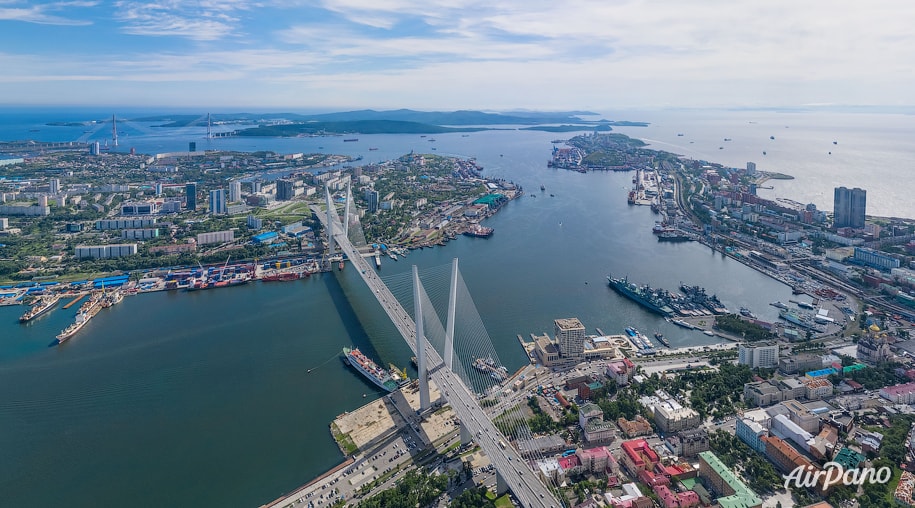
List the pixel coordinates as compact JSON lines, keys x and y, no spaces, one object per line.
{"x":74,"y":301}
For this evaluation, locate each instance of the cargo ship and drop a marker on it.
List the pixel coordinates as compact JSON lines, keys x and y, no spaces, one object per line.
{"x":350,"y":140}
{"x":283,"y":276}
{"x":86,"y":312}
{"x":488,"y":365}
{"x":479,"y":231}
{"x":660,"y":338}
{"x":388,"y":380}
{"x":645,"y":296}
{"x":45,"y":304}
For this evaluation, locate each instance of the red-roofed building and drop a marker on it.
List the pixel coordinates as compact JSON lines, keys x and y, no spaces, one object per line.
{"x":670,"y":499}
{"x":570,"y":465}
{"x":594,"y":460}
{"x":638,"y":456}
{"x":653,"y":480}
{"x":681,"y":471}
{"x":621,"y":371}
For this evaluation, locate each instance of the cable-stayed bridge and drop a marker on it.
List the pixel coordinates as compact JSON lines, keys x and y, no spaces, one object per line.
{"x":422,"y":331}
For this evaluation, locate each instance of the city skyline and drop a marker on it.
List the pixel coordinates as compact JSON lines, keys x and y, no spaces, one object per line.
{"x":449,"y":54}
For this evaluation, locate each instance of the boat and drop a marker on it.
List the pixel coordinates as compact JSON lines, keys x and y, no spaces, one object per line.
{"x":697,"y":296}
{"x":682,"y":324}
{"x":680,"y":134}
{"x":780,"y":305}
{"x":86,"y":312}
{"x":631,"y":198}
{"x":377,"y":260}
{"x":488,"y":366}
{"x":340,"y":266}
{"x":802,"y":319}
{"x":112,"y":299}
{"x":727,"y":139}
{"x":709,"y":333}
{"x":771,"y":137}
{"x":660,"y":338}
{"x":674,"y":236}
{"x":479,"y":231}
{"x":373,"y":149}
{"x":542,"y":188}
{"x":350,"y":140}
{"x":646,"y":296}
{"x":388,"y":380}
{"x":745,"y":312}
{"x":281,"y":276}
{"x":45,"y":304}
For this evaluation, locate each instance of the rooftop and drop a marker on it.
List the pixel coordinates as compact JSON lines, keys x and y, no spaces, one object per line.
{"x":743,"y":497}
{"x":569,"y":324}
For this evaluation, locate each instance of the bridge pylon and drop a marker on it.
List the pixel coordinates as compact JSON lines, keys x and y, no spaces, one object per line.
{"x":449,"y":327}
{"x":331,"y":246}
{"x":424,"y":398}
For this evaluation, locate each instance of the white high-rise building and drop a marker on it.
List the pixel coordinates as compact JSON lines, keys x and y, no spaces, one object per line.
{"x":218,"y":201}
{"x":762,"y":356}
{"x":234,"y":192}
{"x":570,"y":334}
{"x":54,"y":186}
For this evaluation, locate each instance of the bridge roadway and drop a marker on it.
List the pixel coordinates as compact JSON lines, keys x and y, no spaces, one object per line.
{"x":519,"y":478}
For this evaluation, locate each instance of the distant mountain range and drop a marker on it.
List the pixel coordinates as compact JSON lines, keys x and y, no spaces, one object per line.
{"x":465,"y":117}
{"x":400,"y":121}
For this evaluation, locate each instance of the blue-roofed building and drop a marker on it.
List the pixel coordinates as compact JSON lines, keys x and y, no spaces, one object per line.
{"x":821,"y":372}
{"x":263,"y":238}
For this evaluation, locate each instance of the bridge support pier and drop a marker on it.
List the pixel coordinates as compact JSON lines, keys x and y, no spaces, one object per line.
{"x":466,"y":436}
{"x":501,"y":486}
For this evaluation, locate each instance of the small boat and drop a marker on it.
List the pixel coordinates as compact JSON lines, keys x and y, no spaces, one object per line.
{"x":542,"y":188}
{"x":340,"y":266}
{"x":709,"y":333}
{"x":771,"y":137}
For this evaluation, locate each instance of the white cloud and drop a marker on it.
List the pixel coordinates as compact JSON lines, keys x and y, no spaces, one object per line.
{"x":196,"y":20}
{"x":42,"y":13}
{"x":511,"y":53}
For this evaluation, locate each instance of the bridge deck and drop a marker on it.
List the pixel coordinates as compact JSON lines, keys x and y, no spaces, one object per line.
{"x":523,"y":482}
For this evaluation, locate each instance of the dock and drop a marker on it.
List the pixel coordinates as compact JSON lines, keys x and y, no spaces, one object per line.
{"x":74,"y":301}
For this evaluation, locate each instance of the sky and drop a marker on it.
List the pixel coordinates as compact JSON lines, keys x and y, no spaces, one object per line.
{"x":456,"y":54}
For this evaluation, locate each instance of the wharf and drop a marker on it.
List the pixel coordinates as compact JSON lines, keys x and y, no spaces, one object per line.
{"x":376,"y":421}
{"x":73,"y":302}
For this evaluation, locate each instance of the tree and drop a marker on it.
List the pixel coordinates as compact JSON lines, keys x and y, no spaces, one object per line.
{"x":473,"y":498}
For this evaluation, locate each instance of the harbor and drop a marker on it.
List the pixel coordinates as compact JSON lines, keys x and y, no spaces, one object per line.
{"x":224,"y":338}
